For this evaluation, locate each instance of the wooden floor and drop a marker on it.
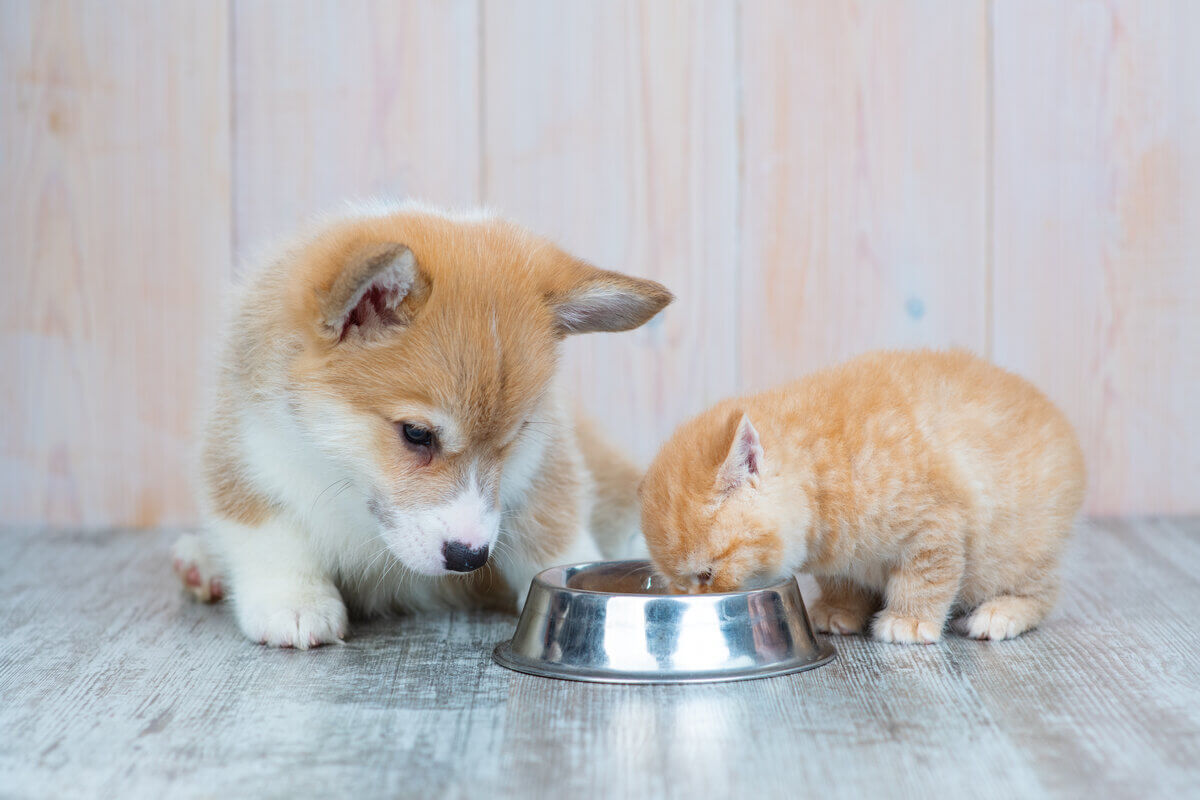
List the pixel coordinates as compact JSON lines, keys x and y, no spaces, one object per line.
{"x":112,"y":684}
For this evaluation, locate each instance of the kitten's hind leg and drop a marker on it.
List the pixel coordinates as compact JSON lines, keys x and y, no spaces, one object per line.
{"x":843,"y":607}
{"x":1008,"y":615}
{"x":920,"y":591}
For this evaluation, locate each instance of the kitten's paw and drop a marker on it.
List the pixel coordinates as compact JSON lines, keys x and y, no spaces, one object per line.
{"x":831,"y":619}
{"x":1002,"y":618}
{"x":906,"y":630}
{"x":191,"y":562}
{"x":301,"y":618}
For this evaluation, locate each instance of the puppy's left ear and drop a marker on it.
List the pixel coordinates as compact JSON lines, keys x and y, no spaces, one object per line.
{"x":588,"y":299}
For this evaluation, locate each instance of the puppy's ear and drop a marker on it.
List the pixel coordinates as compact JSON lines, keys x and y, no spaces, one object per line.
{"x":378,"y":288}
{"x":744,"y":461}
{"x":588,"y":299}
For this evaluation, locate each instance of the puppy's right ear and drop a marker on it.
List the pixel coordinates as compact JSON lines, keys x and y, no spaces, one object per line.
{"x":586,"y":299}
{"x":378,"y":288}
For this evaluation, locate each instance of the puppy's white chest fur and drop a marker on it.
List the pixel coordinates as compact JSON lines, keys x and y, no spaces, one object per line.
{"x":323,"y":497}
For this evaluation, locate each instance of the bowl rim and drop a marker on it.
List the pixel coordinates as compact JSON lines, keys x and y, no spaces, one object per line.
{"x":782,"y":583}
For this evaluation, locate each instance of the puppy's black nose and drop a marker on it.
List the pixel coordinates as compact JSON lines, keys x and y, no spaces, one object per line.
{"x":460,"y":558}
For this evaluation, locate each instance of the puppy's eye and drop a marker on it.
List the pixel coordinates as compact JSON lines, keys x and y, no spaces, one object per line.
{"x":417,"y":435}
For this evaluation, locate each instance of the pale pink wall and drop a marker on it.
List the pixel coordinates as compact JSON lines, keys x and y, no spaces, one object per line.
{"x":813,"y":179}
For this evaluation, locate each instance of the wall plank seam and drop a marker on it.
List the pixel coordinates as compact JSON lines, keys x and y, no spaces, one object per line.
{"x":989,"y":198}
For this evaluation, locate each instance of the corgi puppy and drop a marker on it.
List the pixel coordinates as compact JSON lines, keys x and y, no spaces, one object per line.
{"x":920,"y":482}
{"x":388,"y":433}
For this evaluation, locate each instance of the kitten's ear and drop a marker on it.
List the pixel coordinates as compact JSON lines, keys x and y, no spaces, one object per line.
{"x":378,"y":287}
{"x":586,"y":299}
{"x":744,"y":461}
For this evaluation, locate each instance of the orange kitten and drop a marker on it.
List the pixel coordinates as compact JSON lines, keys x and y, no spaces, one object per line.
{"x":922,"y":482}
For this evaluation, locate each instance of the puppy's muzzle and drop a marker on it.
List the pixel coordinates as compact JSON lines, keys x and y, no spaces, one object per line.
{"x":461,"y":558}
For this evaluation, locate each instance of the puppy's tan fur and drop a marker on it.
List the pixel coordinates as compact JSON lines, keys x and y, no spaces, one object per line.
{"x":919,"y":481}
{"x":373,"y":321}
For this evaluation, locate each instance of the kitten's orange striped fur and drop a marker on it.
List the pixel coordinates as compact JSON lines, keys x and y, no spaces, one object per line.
{"x":923,"y":482}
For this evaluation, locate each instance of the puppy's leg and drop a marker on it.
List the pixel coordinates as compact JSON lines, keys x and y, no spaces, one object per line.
{"x":920,"y":591}
{"x":520,"y":569}
{"x":615,"y":517}
{"x":844,"y":606}
{"x":281,"y":595}
{"x":194,"y":566}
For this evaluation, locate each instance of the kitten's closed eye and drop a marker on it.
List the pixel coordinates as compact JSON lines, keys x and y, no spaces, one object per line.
{"x":704,"y":577}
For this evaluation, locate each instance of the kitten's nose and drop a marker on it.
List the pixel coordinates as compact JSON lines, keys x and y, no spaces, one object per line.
{"x":461,"y":558}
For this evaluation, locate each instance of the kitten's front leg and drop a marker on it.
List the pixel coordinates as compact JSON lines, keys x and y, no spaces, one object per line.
{"x":843,"y":607}
{"x":920,"y":591}
{"x":281,"y":595}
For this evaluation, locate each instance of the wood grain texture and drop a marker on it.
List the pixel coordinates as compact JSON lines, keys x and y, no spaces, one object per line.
{"x":865,"y":181}
{"x":1097,"y":230}
{"x":338,"y":101}
{"x":612,"y":127}
{"x":115,"y":685}
{"x":115,"y":244}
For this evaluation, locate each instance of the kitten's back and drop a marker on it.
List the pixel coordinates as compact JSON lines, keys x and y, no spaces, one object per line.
{"x":902,"y":415}
{"x":1007,"y":453}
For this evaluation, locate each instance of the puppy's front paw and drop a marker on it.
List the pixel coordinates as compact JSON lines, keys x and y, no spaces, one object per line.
{"x":831,"y":619}
{"x":906,"y":630}
{"x":195,"y":569}
{"x":302,"y":618}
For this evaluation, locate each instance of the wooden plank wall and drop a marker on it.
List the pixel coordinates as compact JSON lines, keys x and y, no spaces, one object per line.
{"x":813,"y":179}
{"x":115,"y":235}
{"x":340,"y":101}
{"x":864,"y":223}
{"x":1096,"y":279}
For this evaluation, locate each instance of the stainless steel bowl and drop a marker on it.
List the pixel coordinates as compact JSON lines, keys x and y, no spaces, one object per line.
{"x":617,"y":622}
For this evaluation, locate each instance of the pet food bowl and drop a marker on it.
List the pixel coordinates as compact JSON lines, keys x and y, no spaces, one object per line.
{"x":618,"y":622}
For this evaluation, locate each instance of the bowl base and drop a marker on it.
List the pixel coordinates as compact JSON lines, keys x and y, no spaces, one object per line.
{"x":504,"y":656}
